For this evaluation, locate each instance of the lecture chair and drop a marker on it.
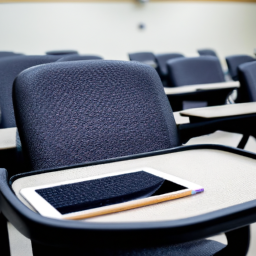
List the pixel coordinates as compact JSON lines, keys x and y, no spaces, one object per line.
{"x":162,"y":70}
{"x":207,"y":52}
{"x":147,"y":58}
{"x":210,"y":52}
{"x":246,"y":76}
{"x":106,"y":132}
{"x":62,"y":52}
{"x":234,"y":61}
{"x":10,"y":67}
{"x":196,"y":71}
{"x":80,"y":57}
{"x":6,"y":54}
{"x":235,"y":118}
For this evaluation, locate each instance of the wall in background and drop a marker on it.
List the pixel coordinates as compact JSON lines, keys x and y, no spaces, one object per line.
{"x":112,"y":29}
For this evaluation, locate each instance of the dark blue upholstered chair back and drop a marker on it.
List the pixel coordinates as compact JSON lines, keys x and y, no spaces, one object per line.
{"x":79,"y":57}
{"x":161,"y":60}
{"x":142,"y":56}
{"x":75,"y":112}
{"x":247,"y":79}
{"x":10,"y":67}
{"x":195,"y":70}
{"x":61,"y":52}
{"x":6,"y":54}
{"x":207,"y":52}
{"x":234,"y":61}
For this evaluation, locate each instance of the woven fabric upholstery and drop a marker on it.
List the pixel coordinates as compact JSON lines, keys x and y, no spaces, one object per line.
{"x":6,"y":54}
{"x":73,"y":112}
{"x":10,"y":67}
{"x":234,"y":61}
{"x":207,"y":52}
{"x":195,"y":248}
{"x":61,"y":52}
{"x":161,"y":60}
{"x":142,"y":56}
{"x":79,"y":57}
{"x":247,"y":78}
{"x":195,"y":70}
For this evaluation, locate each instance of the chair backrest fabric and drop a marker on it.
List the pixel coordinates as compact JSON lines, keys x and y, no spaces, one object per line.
{"x":161,"y":60}
{"x":234,"y":61}
{"x":62,"y":52}
{"x":142,"y":56}
{"x":79,"y":57}
{"x":6,"y":54}
{"x":75,"y":112}
{"x":10,"y":67}
{"x":247,"y":79}
{"x":194,"y":70}
{"x":207,"y":52}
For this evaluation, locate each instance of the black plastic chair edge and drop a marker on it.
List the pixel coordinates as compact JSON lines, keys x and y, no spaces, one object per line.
{"x":71,"y":232}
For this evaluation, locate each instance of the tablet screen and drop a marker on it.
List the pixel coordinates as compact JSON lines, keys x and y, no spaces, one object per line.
{"x":106,"y":191}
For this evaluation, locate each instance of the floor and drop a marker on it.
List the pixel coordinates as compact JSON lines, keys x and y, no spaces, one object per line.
{"x":252,"y":248}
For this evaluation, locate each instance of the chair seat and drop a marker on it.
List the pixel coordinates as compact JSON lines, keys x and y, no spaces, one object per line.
{"x":198,"y":248}
{"x":20,"y":245}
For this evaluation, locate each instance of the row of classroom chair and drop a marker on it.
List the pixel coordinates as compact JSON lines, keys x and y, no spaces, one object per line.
{"x":71,"y":113}
{"x":162,"y":63}
{"x":158,"y":61}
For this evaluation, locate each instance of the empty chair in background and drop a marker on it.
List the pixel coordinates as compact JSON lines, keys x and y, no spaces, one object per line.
{"x":192,"y":71}
{"x":247,"y":93}
{"x":61,"y":52}
{"x":210,"y":52}
{"x":246,"y":74}
{"x":80,"y":57}
{"x":207,"y":52}
{"x":247,"y":79}
{"x":144,"y":57}
{"x":7,"y":54}
{"x":10,"y":67}
{"x":161,"y":60}
{"x":234,"y":61}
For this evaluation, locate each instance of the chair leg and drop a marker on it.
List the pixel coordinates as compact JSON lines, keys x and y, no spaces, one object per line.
{"x":243,"y":141}
{"x":4,"y":238}
{"x":238,"y":242}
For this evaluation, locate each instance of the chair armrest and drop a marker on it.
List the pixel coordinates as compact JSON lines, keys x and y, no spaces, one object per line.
{"x":219,"y":137}
{"x":8,"y":138}
{"x":221,"y":111}
{"x":236,"y":213}
{"x":180,"y":119}
{"x":201,"y":87}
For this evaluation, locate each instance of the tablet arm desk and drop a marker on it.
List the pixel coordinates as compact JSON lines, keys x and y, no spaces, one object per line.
{"x":214,"y":94}
{"x":238,"y":118}
{"x":210,"y":213}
